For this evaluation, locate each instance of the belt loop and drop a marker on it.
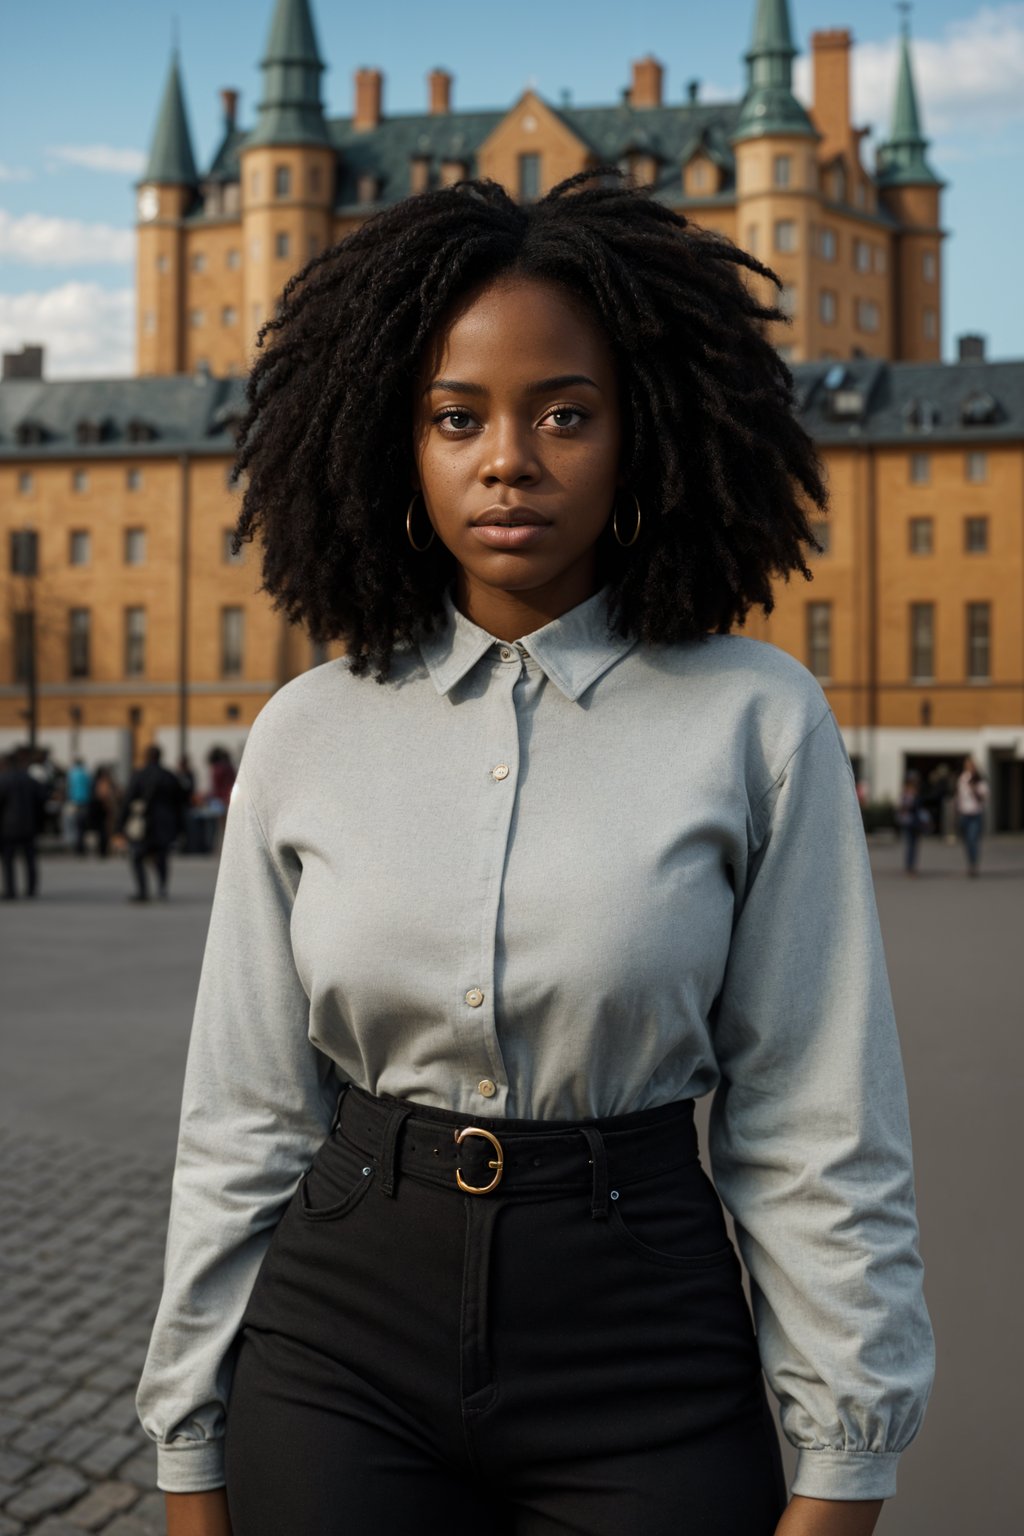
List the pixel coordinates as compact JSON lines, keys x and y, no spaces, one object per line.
{"x":337,"y":1108}
{"x":389,"y":1147}
{"x":599,"y":1158}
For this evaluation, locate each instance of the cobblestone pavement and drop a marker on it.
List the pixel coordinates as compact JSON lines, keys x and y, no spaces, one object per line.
{"x":96,"y":1001}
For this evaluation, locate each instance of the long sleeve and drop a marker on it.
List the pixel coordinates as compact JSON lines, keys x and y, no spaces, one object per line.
{"x":258,"y":1099}
{"x":810,"y":1136}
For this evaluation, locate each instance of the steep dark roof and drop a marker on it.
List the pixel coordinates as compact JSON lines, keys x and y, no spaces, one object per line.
{"x":189,"y":414}
{"x":171,"y":161}
{"x":848,"y":402}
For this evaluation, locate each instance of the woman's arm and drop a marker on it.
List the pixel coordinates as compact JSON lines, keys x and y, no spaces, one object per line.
{"x":816,"y":1517}
{"x":198,"y":1514}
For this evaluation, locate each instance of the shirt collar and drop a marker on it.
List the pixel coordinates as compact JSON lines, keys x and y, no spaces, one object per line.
{"x":573,"y":651}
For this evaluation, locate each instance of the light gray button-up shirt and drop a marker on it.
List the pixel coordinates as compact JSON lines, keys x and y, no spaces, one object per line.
{"x":566,"y":877}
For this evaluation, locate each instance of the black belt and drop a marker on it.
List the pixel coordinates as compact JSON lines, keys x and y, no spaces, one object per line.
{"x":528,"y":1158}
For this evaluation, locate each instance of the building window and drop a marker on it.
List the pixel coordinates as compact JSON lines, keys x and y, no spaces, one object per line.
{"x":786,"y":300}
{"x":79,"y":630}
{"x":230,"y":558}
{"x":976,"y":535}
{"x":880,"y":263}
{"x":930,"y":324}
{"x":837,"y":184}
{"x":922,"y":642}
{"x":162,"y":263}
{"x":753,"y":236}
{"x":976,"y":467}
{"x":785,"y":235}
{"x":24,"y":552}
{"x":79,"y":547}
{"x":24,"y":646}
{"x":867,"y":315}
{"x":233,"y":260}
{"x":134,"y":642}
{"x":255,"y":184}
{"x":823,"y":533}
{"x":819,"y":639}
{"x":26,"y":482}
{"x":827,"y":244}
{"x":149,"y":321}
{"x":929,"y":266}
{"x":196,"y":318}
{"x":920,"y":468}
{"x":197,"y":261}
{"x":529,"y":176}
{"x":232,"y":636}
{"x":254,"y":248}
{"x":80,"y":480}
{"x":133,"y":479}
{"x":282,"y":181}
{"x":229,"y":315}
{"x":827,"y":306}
{"x":922,"y":537}
{"x":135,"y":546}
{"x":861,"y":256}
{"x":979,"y":641}
{"x":782,"y":170}
{"x":281,"y":245}
{"x":699,"y":175}
{"x":314,"y":179}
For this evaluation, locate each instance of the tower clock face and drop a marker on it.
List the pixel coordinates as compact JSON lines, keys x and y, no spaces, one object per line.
{"x":149,"y":203}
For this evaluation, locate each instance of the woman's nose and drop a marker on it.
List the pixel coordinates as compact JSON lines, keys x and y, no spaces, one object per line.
{"x":509,"y":457}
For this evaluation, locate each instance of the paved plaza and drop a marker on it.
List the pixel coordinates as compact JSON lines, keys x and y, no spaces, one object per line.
{"x":96,"y":998}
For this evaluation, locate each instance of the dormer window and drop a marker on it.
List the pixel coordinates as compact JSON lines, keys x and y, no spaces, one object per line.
{"x":28,"y":433}
{"x":529,"y":177}
{"x":980,"y":409}
{"x":91,"y":430}
{"x":922,"y":414}
{"x":139,"y":431}
{"x":368,"y":187}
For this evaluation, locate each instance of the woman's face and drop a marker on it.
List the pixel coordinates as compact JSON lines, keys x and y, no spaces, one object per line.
{"x":516,"y":438}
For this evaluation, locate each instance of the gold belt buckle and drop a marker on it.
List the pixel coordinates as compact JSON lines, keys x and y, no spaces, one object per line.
{"x":497,"y":1164}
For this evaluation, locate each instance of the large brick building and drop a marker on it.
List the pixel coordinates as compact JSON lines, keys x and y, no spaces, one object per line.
{"x":860,"y":250}
{"x":138,"y":624}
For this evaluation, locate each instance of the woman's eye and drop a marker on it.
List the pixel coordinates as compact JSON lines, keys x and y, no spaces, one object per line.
{"x":565,"y":417}
{"x":456,"y":420}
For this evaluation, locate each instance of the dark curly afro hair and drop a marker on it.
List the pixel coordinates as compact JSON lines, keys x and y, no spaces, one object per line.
{"x":724,"y":473}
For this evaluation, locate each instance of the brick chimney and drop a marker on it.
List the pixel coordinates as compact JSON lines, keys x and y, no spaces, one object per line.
{"x":646,"y":88}
{"x":831,"y":109}
{"x":26,"y":364}
{"x":970,"y":349}
{"x":229,"y":103}
{"x":439,"y":89}
{"x":369,"y":98}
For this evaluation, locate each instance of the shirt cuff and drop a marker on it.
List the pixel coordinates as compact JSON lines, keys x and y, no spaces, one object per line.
{"x":190,"y":1466}
{"x":846,"y":1474}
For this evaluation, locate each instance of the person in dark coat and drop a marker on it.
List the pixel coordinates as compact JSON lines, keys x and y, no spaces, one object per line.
{"x":163,"y":820}
{"x":22,"y":803}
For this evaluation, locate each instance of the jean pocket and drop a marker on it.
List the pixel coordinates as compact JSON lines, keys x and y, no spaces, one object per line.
{"x":674,"y":1219}
{"x":335,"y":1181}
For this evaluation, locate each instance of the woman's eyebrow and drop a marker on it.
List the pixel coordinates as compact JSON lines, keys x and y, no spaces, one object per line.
{"x":557,"y":381}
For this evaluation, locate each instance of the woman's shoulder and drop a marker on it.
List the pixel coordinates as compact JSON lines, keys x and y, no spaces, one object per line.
{"x":743,"y":674}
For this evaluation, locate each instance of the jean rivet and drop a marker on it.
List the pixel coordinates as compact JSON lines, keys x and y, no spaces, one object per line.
{"x":367,"y":1172}
{"x":613,"y":1194}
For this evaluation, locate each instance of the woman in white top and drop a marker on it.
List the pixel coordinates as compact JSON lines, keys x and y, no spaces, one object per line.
{"x":971,"y":794}
{"x":546,"y":857}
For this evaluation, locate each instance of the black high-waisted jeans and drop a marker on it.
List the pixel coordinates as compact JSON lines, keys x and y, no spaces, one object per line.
{"x":568,"y":1352}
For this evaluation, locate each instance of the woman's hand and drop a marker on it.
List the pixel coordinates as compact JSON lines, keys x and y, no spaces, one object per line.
{"x":829,"y":1517}
{"x":198,"y":1514}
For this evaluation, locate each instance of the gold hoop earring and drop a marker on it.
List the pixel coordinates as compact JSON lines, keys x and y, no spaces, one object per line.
{"x":419,"y":548}
{"x":636,"y":531}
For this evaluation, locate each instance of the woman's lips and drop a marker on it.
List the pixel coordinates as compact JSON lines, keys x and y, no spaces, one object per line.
{"x":510,"y":535}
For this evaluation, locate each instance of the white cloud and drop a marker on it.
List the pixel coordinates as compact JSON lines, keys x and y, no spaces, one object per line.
{"x":14,"y":173}
{"x":44,"y":241}
{"x":101,"y":157}
{"x":970,"y":80}
{"x":87,"y":331}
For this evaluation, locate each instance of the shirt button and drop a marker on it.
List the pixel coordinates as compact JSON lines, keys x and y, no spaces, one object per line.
{"x":474,"y":997}
{"x":501,"y":772}
{"x":486,"y":1088}
{"x":506,"y":654}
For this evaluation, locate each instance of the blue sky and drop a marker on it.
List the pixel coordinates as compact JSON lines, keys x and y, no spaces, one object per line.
{"x":82,"y":83}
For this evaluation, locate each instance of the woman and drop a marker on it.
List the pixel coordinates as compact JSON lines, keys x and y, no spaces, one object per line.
{"x":486,"y":926}
{"x":971,"y":794}
{"x":913,"y":818}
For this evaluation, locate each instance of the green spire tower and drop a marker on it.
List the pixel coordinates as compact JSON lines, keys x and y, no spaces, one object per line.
{"x":769,"y":107}
{"x":171,"y":161}
{"x":291,"y":111}
{"x":902,"y":160}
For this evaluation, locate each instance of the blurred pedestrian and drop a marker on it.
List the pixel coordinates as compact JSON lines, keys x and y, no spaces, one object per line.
{"x":912,"y":818}
{"x":971,"y":794}
{"x":79,"y":798}
{"x":22,"y":803}
{"x":222,"y":782}
{"x":103,"y":808}
{"x":151,"y":819}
